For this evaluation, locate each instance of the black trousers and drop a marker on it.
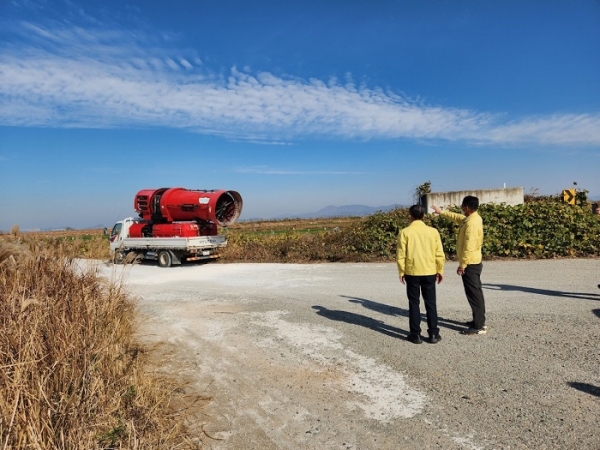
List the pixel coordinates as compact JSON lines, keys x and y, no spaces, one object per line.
{"x":415,"y":286}
{"x":472,"y":284}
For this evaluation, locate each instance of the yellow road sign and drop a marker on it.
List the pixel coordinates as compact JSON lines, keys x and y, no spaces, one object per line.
{"x":569,"y":196}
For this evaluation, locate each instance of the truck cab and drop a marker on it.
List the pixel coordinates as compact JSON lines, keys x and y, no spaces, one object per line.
{"x":120,"y":231}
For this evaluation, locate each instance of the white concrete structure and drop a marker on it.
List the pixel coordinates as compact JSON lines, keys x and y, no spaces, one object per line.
{"x":509,"y":196}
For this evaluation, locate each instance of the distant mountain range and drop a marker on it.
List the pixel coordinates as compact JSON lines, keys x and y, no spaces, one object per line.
{"x":340,"y":211}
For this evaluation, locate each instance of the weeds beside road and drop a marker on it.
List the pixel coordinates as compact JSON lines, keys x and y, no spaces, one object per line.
{"x":72,"y":375}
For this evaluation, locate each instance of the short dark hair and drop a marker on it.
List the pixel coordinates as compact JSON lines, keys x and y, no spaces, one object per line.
{"x":471,"y":202}
{"x":416,"y":212}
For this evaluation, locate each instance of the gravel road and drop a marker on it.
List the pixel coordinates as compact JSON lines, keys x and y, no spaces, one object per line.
{"x":315,"y":357}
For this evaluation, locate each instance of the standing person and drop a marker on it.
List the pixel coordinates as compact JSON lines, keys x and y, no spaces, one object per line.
{"x":468,"y":252}
{"x":420,"y":257}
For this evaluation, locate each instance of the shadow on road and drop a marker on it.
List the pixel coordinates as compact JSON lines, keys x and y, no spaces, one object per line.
{"x":509,"y":287}
{"x":363,"y":321}
{"x":394,"y":311}
{"x":585,"y":387}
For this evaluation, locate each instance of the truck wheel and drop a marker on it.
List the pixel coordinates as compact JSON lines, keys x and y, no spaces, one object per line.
{"x":164,"y":258}
{"x":133,"y":258}
{"x":138,"y":258}
{"x":119,"y":257}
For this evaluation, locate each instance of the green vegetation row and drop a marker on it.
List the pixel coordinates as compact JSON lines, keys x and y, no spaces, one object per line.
{"x":540,"y":228}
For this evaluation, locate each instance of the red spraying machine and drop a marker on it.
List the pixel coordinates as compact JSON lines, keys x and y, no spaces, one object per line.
{"x":179,"y":212}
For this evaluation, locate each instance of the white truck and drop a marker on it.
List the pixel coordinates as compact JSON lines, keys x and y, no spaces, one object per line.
{"x":166,"y":250}
{"x":175,"y":225}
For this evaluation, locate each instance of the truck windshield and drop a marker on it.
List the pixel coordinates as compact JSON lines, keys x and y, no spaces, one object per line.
{"x":115,"y":231}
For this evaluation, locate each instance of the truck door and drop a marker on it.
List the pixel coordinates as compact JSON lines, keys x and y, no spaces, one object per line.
{"x":116,"y":231}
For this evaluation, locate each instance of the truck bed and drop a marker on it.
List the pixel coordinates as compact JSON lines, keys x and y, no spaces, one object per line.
{"x":173,"y":243}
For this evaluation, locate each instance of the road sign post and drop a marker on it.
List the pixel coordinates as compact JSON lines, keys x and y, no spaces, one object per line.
{"x":569,"y":196}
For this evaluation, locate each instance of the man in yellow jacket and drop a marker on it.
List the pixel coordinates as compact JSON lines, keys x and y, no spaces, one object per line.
{"x":468,"y":252}
{"x":420,"y":257}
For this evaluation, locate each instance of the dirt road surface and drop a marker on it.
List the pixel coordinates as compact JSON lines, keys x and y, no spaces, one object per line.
{"x":315,"y":357}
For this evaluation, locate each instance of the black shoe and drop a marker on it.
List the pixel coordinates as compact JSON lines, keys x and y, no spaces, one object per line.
{"x":434,"y":338}
{"x":470,"y":324}
{"x":414,"y":339}
{"x":473,"y":331}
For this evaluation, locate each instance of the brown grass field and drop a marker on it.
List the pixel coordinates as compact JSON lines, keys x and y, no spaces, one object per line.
{"x":73,"y":376}
{"x":295,"y":224}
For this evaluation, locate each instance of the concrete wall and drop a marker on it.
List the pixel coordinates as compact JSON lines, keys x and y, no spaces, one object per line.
{"x":509,"y":196}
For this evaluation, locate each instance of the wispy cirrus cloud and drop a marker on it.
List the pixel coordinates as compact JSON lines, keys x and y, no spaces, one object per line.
{"x":563,"y":129}
{"x":63,"y":76}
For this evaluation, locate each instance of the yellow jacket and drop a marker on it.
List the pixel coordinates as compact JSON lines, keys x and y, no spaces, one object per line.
{"x":469,"y":239}
{"x":420,"y":250}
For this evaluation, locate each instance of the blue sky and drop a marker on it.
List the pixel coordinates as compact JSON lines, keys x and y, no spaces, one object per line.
{"x":296,"y":105}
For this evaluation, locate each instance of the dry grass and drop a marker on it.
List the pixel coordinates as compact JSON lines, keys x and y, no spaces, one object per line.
{"x":289,"y":240}
{"x":91,"y":244}
{"x":300,"y":225}
{"x":72,"y":375}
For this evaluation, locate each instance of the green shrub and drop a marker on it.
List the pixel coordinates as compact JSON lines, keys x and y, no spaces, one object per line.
{"x":540,"y":230}
{"x":545,"y":228}
{"x":374,"y":237}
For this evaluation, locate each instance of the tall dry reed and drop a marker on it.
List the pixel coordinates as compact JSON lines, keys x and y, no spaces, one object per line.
{"x":71,"y":373}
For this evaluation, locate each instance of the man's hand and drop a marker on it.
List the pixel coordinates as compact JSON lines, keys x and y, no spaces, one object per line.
{"x":460,"y":271}
{"x":402,"y":279}
{"x":439,"y":277}
{"x":436,"y":209}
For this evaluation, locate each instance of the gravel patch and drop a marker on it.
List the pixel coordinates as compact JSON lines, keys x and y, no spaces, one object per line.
{"x":314,"y":356}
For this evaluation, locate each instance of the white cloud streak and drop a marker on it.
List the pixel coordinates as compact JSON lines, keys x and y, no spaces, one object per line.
{"x":74,"y":77}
